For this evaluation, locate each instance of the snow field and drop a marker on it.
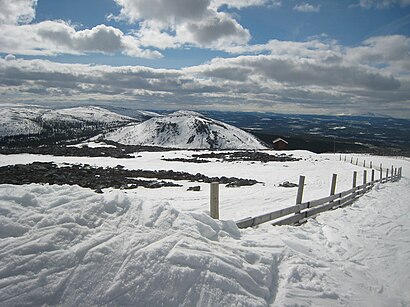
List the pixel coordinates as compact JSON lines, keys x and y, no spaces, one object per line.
{"x":261,"y":198}
{"x":355,"y":256}
{"x":65,"y":245}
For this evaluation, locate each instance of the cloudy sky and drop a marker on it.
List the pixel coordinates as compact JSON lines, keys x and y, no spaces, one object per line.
{"x":285,"y":56}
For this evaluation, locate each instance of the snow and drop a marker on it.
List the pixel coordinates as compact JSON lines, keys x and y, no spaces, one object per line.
{"x":87,"y":114}
{"x":74,"y":247}
{"x":265,"y":196}
{"x":92,"y":145}
{"x":185,"y":129}
{"x":66,"y":245}
{"x":19,"y":120}
{"x":356,"y":256}
{"x":29,"y":120}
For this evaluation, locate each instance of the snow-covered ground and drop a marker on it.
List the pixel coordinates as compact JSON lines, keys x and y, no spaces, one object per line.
{"x":258,"y":199}
{"x":65,"y":245}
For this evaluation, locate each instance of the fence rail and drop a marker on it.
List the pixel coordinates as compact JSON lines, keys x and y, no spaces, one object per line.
{"x":302,"y":210}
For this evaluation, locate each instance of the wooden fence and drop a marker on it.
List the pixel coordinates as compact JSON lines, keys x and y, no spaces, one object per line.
{"x":302,"y":210}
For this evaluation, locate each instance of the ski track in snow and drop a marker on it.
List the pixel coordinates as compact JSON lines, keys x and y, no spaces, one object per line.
{"x":65,"y":245}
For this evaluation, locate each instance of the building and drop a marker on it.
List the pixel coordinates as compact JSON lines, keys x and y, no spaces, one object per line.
{"x":280,"y":144}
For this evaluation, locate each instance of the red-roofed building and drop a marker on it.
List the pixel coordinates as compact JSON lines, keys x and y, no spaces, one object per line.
{"x":280,"y":144}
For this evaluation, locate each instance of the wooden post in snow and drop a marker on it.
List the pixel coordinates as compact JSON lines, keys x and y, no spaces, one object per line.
{"x":372,"y":175}
{"x":391,"y":174}
{"x":300,"y":190}
{"x":214,"y":197}
{"x":371,"y":164}
{"x":354,"y":179}
{"x":351,"y":160}
{"x":364,"y":163}
{"x":387,"y":175}
{"x":345,"y":158}
{"x":333,"y":186}
{"x":381,"y":173}
{"x":357,"y":161}
{"x":364,"y":177}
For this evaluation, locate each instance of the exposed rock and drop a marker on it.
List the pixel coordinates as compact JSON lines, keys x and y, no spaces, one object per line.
{"x":98,"y":178}
{"x":195,"y":188}
{"x":287,"y":184}
{"x":247,"y":155}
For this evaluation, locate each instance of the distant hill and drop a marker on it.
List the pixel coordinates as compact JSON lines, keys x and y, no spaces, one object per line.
{"x":36,"y":120}
{"x":185,"y":129}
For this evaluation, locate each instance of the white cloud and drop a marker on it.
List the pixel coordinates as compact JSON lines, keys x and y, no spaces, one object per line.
{"x":382,"y":4}
{"x":55,"y":37}
{"x":166,"y":11}
{"x":391,"y":53}
{"x":174,"y":23}
{"x":306,"y":8}
{"x":311,"y":75}
{"x":17,"y":11}
{"x":220,"y":30}
{"x":19,"y":36}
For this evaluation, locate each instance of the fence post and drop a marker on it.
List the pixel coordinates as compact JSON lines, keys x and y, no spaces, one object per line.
{"x":391,"y":174}
{"x":214,"y":200}
{"x":387,"y":175}
{"x":300,"y":190}
{"x":371,"y":164}
{"x":351,"y":160}
{"x":340,"y":157}
{"x":354,"y":179}
{"x":364,"y":177}
{"x":357,"y":161}
{"x":395,"y":174}
{"x":364,"y":163}
{"x":333,"y":186}
{"x":381,"y":174}
{"x":372,"y":175}
{"x":345,"y":158}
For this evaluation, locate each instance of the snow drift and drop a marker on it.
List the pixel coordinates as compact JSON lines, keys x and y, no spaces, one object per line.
{"x":62,"y":245}
{"x":185,"y":129}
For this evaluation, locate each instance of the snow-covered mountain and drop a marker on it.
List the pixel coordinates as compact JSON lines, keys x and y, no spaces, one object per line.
{"x":33,"y":120}
{"x":85,"y":114}
{"x":19,"y":121}
{"x":185,"y":129}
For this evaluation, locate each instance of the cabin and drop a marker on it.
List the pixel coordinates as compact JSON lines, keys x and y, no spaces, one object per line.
{"x":280,"y":144}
